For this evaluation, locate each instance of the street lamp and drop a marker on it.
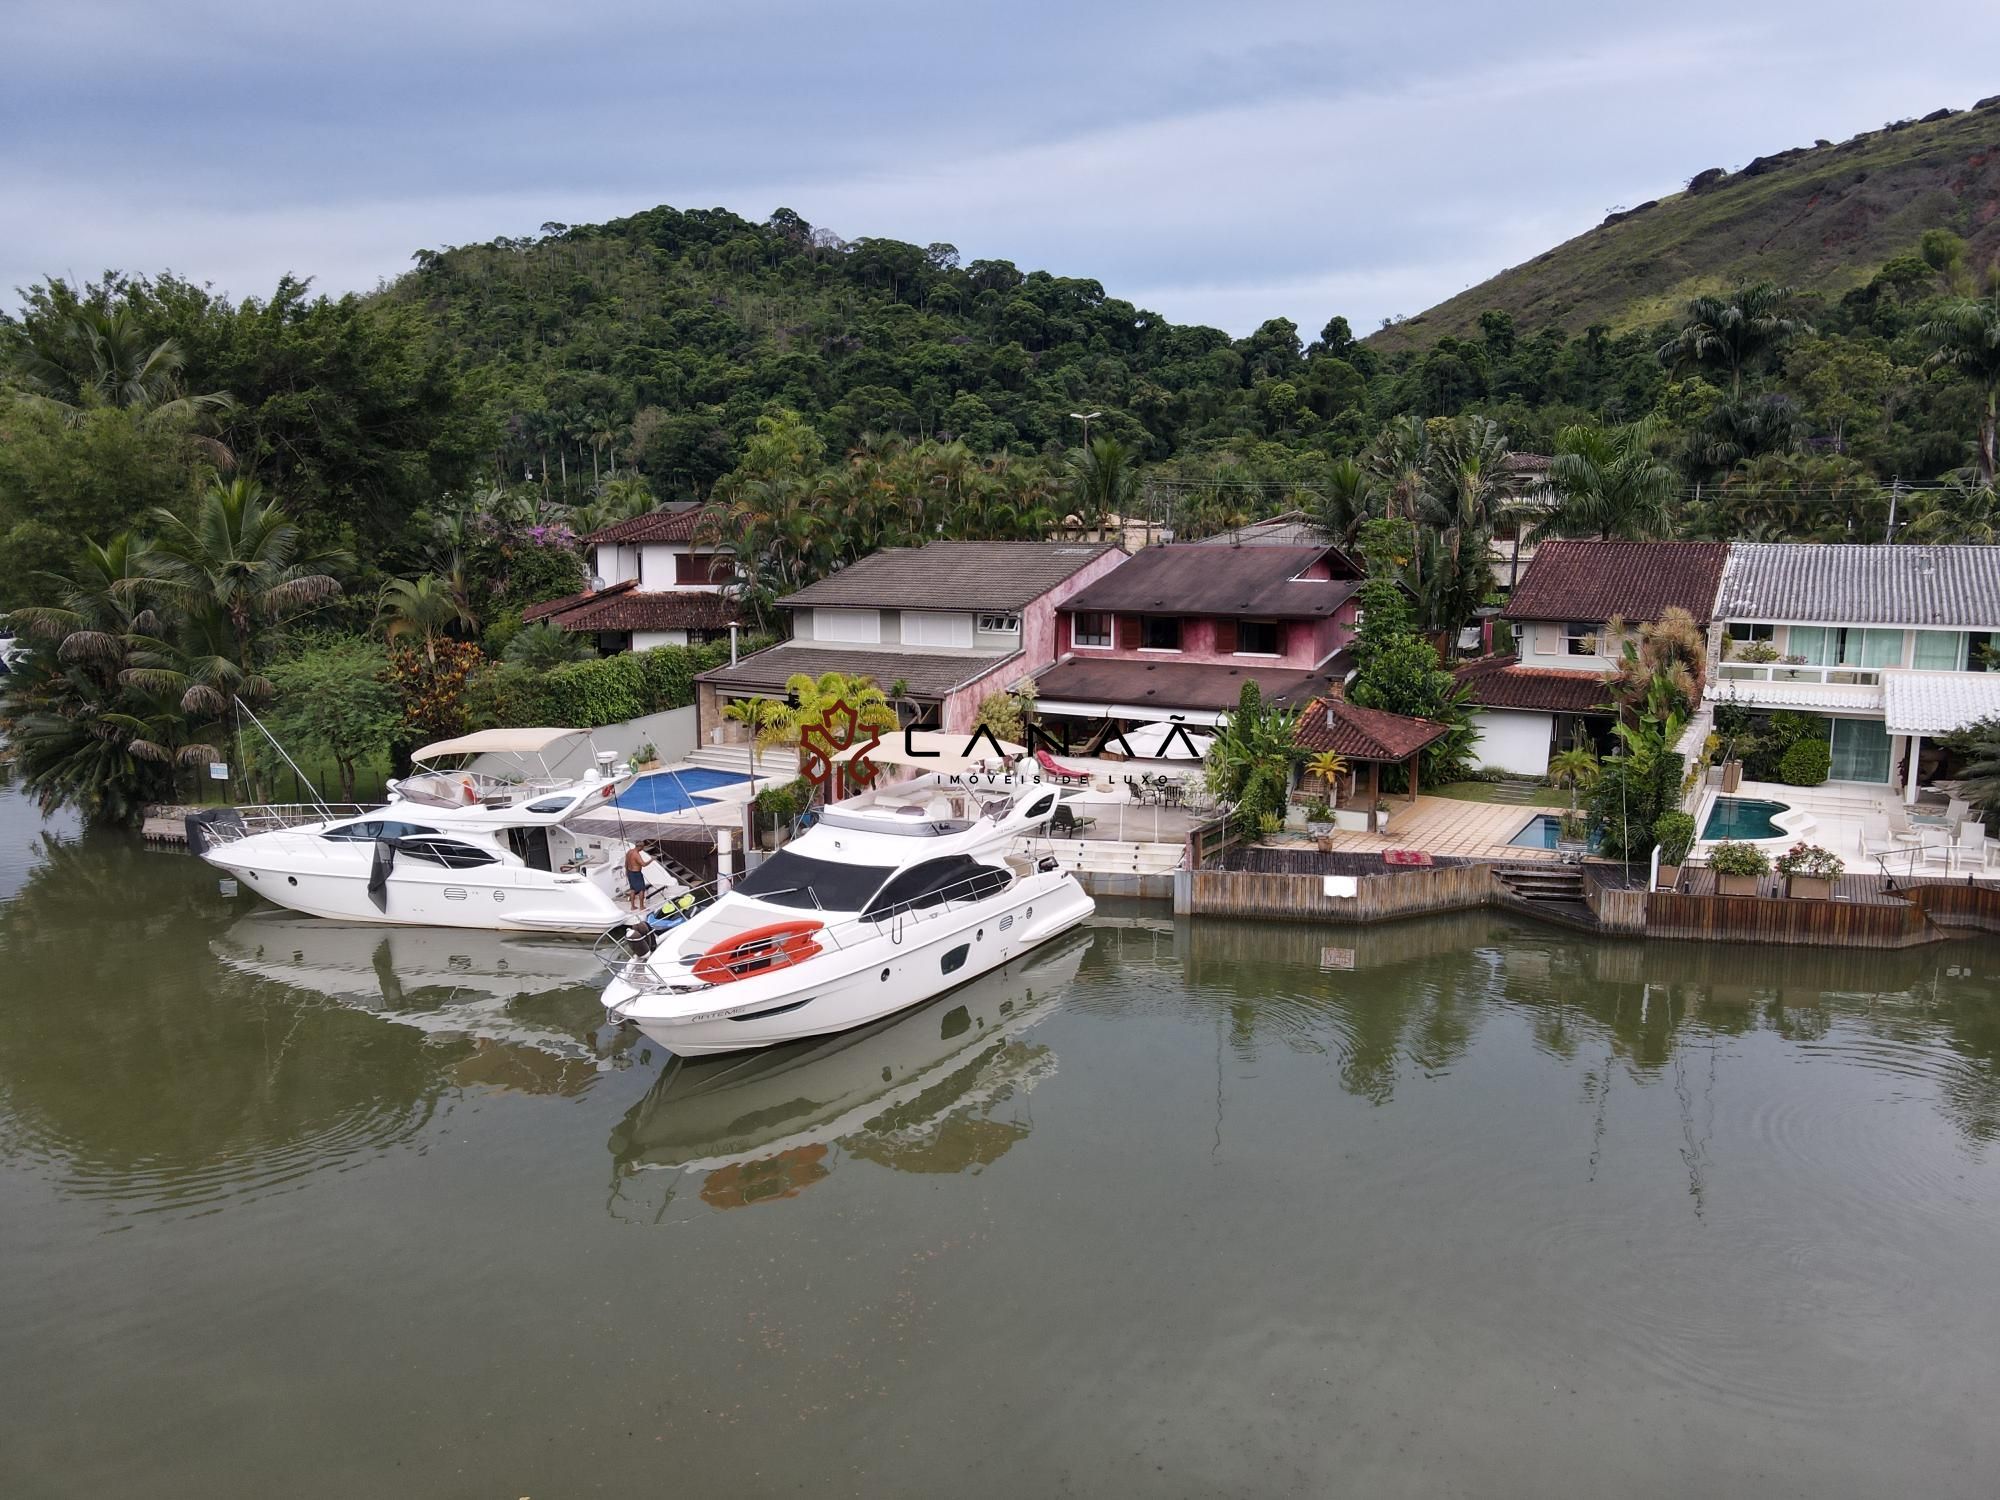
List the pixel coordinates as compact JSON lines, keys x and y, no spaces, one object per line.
{"x":1086,"y":417}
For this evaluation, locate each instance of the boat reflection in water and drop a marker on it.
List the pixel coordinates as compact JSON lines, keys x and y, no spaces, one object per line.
{"x":508,"y":993}
{"x":917,"y":1092}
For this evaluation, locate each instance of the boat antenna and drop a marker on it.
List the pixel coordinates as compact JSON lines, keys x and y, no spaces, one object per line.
{"x":304,"y":780}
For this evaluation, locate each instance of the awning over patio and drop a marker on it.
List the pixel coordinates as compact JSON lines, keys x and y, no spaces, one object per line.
{"x":1934,"y":703}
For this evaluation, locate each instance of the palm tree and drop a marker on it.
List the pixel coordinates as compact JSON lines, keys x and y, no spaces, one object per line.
{"x":94,"y":357}
{"x":1575,"y":768}
{"x":759,"y":716}
{"x":236,"y":564}
{"x":1962,"y":510}
{"x":542,"y":646}
{"x":1608,"y":484}
{"x":1103,"y":481}
{"x":1733,"y":333}
{"x":424,"y":607}
{"x":1329,"y":766}
{"x":1965,"y":337}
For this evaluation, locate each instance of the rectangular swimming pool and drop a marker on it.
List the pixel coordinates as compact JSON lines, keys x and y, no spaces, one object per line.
{"x":1541,"y":833}
{"x":673,"y":791}
{"x":1743,"y":818}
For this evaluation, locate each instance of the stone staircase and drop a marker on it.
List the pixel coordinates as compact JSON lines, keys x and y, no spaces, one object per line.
{"x":1552,"y":892}
{"x":1518,"y":793}
{"x":772,"y":762}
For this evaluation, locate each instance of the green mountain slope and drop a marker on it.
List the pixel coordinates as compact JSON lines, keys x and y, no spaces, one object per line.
{"x":1821,"y":218}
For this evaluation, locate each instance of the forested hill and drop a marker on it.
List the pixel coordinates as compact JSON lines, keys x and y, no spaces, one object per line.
{"x":675,"y":329}
{"x":1823,"y":218}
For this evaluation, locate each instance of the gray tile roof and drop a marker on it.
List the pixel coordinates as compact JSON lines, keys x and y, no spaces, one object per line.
{"x":1192,"y":579}
{"x":927,"y":674}
{"x":1837,"y":584}
{"x":951,"y":575}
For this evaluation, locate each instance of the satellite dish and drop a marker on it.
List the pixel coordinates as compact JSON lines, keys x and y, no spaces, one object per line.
{"x":596,"y":582}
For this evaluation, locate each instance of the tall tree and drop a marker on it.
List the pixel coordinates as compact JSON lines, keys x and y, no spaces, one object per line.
{"x":1734,"y":334}
{"x":1965,"y":338}
{"x":1608,"y":484}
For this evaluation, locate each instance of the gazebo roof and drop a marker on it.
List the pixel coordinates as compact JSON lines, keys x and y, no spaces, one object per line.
{"x":1364,"y":734}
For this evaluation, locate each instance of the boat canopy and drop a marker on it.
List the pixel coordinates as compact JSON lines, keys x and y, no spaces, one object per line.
{"x":934,"y":750}
{"x":497,"y":742}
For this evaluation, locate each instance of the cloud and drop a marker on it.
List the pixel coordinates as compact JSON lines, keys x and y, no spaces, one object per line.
{"x":1273,"y":158}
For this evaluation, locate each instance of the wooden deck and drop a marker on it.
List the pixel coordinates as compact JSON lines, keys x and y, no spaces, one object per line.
{"x":1448,"y":826}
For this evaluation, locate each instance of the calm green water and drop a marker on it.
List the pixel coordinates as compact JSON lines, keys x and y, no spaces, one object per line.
{"x":1460,"y":1207}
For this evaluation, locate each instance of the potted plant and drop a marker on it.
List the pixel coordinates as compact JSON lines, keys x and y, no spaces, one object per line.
{"x":1738,"y":867}
{"x":645,"y":757}
{"x":1674,"y":832}
{"x":1810,"y":871}
{"x":1328,"y":767}
{"x":1573,"y":833}
{"x":1319,"y":823}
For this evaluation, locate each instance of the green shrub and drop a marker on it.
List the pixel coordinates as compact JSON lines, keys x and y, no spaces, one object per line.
{"x":1732,"y":858}
{"x":1805,"y":763}
{"x":1674,"y":833}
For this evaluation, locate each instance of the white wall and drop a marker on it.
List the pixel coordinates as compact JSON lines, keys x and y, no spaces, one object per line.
{"x":670,"y":733}
{"x":859,"y":626}
{"x":1514,"y":740}
{"x":936,"y":627}
{"x":646,"y":640}
{"x":1542,"y":645}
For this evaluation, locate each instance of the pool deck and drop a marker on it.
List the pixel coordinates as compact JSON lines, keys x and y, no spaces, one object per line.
{"x":1836,"y":811}
{"x":1448,"y":826}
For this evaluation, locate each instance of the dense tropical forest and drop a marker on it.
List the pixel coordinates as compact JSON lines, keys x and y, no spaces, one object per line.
{"x":298,"y":502}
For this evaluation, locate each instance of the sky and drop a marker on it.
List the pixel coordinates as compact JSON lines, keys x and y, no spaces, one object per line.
{"x":1216,"y":163}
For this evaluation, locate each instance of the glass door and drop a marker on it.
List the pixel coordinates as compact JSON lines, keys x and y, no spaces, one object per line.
{"x":1860,"y":750}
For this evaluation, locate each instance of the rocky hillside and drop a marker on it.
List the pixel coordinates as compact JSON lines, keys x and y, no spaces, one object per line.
{"x":1823,"y":218}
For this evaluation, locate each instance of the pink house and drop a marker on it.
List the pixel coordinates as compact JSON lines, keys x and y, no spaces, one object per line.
{"x":940,"y":627}
{"x":1174,"y":634}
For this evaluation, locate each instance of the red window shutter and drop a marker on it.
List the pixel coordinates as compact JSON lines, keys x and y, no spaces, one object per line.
{"x":693,"y":567}
{"x":1225,"y":636}
{"x":1062,"y":634}
{"x":1128,"y":632}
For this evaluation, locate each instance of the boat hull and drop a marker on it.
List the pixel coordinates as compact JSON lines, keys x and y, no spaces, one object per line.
{"x":889,"y":967}
{"x":497,"y":899}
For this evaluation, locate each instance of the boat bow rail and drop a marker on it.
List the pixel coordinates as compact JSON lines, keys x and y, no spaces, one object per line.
{"x":226,"y":825}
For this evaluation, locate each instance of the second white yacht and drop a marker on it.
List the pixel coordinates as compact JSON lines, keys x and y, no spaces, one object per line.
{"x":890,"y":898}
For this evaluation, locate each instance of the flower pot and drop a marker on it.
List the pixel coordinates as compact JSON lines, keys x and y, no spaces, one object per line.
{"x":1737,"y":885}
{"x":1732,"y":775}
{"x":1809,"y":887}
{"x":1670,"y":876}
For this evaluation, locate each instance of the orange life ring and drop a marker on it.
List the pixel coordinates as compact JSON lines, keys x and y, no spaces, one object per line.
{"x":761,"y":948}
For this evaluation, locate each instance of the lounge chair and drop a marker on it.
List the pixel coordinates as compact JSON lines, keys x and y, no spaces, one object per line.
{"x":1935,"y":850}
{"x":1058,"y":770}
{"x":1957,"y":809}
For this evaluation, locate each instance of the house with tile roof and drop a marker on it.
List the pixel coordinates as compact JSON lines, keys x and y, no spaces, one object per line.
{"x":654,"y":583}
{"x":950,"y":623}
{"x":1891,"y":646}
{"x":1572,"y":602}
{"x":1174,"y":634}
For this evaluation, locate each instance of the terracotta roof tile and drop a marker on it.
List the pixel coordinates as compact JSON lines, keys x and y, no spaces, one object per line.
{"x":1638,"y":580}
{"x":1501,"y":682}
{"x":624,"y":607}
{"x":1366,"y":734}
{"x":674,"y":524}
{"x":1172,"y":685}
{"x":927,"y":674}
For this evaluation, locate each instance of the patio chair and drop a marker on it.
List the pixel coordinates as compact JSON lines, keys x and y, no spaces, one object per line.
{"x":1066,"y":824}
{"x":1900,"y":829}
{"x":1969,"y":851}
{"x":1957,"y":809}
{"x":1876,"y":837}
{"x":1935,"y":850}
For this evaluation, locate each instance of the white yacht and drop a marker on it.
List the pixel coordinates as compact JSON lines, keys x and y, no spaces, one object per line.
{"x":453,"y":847}
{"x":892,"y":897}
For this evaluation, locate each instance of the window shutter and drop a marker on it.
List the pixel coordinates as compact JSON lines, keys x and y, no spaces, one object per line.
{"x":1062,"y":633}
{"x":1225,"y":636}
{"x":1128,"y":632}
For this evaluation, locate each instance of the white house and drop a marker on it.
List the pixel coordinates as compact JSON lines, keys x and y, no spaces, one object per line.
{"x":1893,"y":645}
{"x":653,"y":584}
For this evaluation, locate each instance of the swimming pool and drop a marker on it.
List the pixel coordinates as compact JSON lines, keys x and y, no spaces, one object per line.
{"x":1743,"y":818}
{"x":672,"y":791}
{"x":1542,"y":832}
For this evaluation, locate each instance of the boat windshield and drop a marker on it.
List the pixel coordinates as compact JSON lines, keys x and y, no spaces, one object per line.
{"x":789,"y":879}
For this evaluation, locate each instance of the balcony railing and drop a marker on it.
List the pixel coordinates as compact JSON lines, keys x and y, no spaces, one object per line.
{"x":1789,"y":672}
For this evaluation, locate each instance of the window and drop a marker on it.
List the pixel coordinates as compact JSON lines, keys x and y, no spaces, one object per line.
{"x":1747,"y":632}
{"x":953,"y":961}
{"x":1160,"y":633}
{"x":1860,"y":751}
{"x":1838,"y":646}
{"x":1940,"y":651}
{"x":1000,"y":624}
{"x":1090,"y":627}
{"x":861,"y":626}
{"x":1580,"y":637}
{"x":447,"y":852}
{"x":936,"y":627}
{"x":374,"y":828}
{"x":789,"y":879}
{"x":1256,"y":637}
{"x":698,"y":568}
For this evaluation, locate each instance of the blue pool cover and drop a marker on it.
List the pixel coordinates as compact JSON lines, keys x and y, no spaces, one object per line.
{"x":673,"y":791}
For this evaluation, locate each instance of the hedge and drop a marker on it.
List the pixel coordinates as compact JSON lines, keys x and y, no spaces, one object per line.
{"x":609,"y":689}
{"x":1805,"y":763}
